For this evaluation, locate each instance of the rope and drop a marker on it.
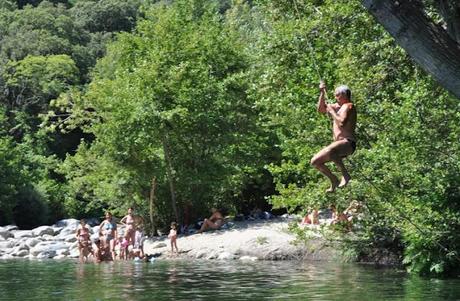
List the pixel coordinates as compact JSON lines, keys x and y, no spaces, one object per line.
{"x":310,"y":47}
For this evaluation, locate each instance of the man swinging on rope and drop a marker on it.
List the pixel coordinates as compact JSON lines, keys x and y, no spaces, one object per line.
{"x":343,"y":114}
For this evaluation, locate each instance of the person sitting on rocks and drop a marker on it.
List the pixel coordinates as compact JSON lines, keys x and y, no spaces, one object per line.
{"x":214,"y":222}
{"x":311,"y":218}
{"x":340,"y":218}
{"x":84,"y":242}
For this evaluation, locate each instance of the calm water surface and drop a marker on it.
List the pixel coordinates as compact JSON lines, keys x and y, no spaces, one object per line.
{"x":214,"y":280}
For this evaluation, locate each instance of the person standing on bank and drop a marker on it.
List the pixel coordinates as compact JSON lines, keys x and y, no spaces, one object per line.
{"x":343,"y":114}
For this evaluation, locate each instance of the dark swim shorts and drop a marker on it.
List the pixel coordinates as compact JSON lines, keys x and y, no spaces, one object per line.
{"x":353,"y":144}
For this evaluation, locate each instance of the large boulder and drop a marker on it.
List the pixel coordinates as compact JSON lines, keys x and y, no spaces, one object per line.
{"x":42,"y":230}
{"x":5,"y":233}
{"x":57,"y":229}
{"x":22,"y":253}
{"x":11,"y":227}
{"x":74,"y":253}
{"x":32,"y":242}
{"x":225,"y":256}
{"x":70,"y":238}
{"x":46,"y":254}
{"x":66,"y":232}
{"x":6,"y":244}
{"x":68,"y":223}
{"x":18,"y":234}
{"x":48,"y":247}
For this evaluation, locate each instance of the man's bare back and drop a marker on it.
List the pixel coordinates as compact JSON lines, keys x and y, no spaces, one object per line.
{"x":343,"y":114}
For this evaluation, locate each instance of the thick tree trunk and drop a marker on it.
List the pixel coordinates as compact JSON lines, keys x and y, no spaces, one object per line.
{"x":428,"y":44}
{"x":450,"y":12}
{"x":170,"y":173}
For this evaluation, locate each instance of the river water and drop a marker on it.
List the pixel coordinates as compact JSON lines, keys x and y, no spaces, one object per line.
{"x":215,"y":280}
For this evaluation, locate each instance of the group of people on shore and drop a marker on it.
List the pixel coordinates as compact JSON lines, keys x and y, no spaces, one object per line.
{"x":335,"y":217}
{"x":110,"y":244}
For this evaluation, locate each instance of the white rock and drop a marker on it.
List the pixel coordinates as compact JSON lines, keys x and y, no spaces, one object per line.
{"x":58,"y":257}
{"x":211,"y":255}
{"x":74,"y":253}
{"x":7,"y":256}
{"x":31,"y":242}
{"x":200,"y":253}
{"x":4,"y":233}
{"x":11,"y":227}
{"x":6,"y":244}
{"x":71,"y":222}
{"x":57,"y":229}
{"x":64,"y":252}
{"x":67,"y":231}
{"x":71,"y":238}
{"x":42,"y":230}
{"x":248,"y":258}
{"x":47,"y":247}
{"x":18,"y":234}
{"x":48,"y":237}
{"x":47,"y":254}
{"x":225,"y":256}
{"x":22,"y":253}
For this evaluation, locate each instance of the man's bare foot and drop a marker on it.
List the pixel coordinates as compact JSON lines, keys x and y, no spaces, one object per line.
{"x":334,"y":185}
{"x":344,"y":181}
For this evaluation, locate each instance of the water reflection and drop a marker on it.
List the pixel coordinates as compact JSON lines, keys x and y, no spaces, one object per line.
{"x":205,"y":280}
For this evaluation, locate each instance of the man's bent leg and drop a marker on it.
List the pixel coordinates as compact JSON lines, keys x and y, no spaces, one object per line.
{"x":341,"y":149}
{"x":318,"y":161}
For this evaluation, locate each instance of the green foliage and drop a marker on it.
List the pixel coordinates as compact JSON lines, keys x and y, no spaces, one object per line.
{"x":405,"y":166}
{"x":106,"y":15}
{"x":177,"y":85}
{"x":37,"y":79}
{"x":45,"y":51}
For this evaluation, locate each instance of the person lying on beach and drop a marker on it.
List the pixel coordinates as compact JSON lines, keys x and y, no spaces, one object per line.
{"x":214,"y":222}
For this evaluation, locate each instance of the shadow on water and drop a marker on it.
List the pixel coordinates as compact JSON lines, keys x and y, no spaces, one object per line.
{"x":209,"y":280}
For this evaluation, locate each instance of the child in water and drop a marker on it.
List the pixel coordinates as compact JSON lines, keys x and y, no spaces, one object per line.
{"x":173,"y":236}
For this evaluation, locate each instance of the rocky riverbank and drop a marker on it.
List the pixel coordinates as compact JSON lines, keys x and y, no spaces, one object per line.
{"x":245,"y":240}
{"x":250,"y":240}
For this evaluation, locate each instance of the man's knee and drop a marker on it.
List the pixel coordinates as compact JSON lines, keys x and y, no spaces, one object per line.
{"x":314,"y":162}
{"x":317,"y":161}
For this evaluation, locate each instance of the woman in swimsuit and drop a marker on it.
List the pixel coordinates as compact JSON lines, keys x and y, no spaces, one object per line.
{"x":214,"y":222}
{"x":129,"y":222}
{"x":84,"y":243}
{"x":108,"y":229}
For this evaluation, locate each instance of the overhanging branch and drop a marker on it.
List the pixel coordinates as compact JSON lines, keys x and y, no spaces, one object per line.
{"x":428,"y":44}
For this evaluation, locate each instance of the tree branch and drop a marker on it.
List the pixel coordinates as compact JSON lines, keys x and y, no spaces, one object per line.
{"x":428,"y":44}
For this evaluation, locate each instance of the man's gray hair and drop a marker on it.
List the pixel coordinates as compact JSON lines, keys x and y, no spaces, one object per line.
{"x":343,"y":90}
